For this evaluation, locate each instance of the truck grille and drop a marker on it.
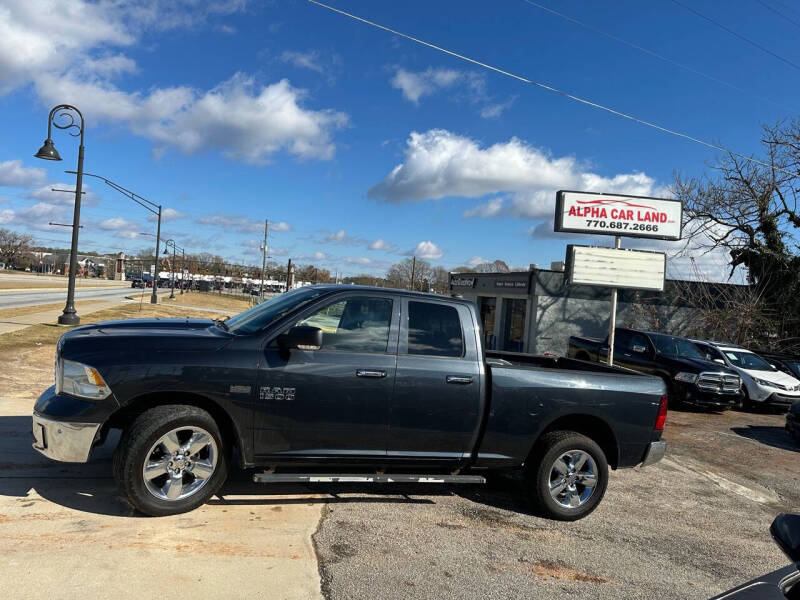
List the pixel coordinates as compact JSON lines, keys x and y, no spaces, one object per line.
{"x":719,"y":383}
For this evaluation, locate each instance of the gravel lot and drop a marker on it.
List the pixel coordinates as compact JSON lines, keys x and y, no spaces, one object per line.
{"x":690,"y":527}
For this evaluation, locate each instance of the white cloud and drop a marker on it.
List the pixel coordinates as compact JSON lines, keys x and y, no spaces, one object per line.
{"x":493,"y":111}
{"x":303,"y":60}
{"x":341,"y":237}
{"x":491,"y":208}
{"x":424,"y":83}
{"x":439,"y":163}
{"x":381,"y":244}
{"x":319,"y":256}
{"x":280,"y":226}
{"x":427,"y":250}
{"x":476,"y":260}
{"x":241,"y":224}
{"x":167,"y":214}
{"x":246,"y":121}
{"x":13,"y":174}
{"x":116,"y":223}
{"x":357,"y":260}
{"x":46,"y":193}
{"x":6,"y":216}
{"x":71,"y":52}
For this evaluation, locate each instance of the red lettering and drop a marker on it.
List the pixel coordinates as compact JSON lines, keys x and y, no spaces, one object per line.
{"x":573,"y":212}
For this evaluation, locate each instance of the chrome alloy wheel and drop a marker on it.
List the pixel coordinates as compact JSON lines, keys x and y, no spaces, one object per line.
{"x":180,"y":463}
{"x":573,"y":478}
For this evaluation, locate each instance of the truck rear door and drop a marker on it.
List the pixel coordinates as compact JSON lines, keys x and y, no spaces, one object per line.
{"x":436,"y":407}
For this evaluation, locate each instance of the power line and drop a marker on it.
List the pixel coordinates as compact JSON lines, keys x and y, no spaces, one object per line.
{"x":738,"y":35}
{"x":779,"y":13}
{"x":550,"y":88}
{"x":650,"y":52}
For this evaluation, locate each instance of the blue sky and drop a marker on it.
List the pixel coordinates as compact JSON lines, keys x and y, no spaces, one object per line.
{"x":361,"y":147}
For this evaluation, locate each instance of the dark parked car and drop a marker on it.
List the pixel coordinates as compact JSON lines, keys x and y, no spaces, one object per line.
{"x":793,"y":421}
{"x":332,"y":383}
{"x":690,"y":378}
{"x":137,"y":283}
{"x":787,"y":363}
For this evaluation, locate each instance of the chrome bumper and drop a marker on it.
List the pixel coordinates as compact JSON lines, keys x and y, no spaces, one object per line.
{"x":655,"y":452}
{"x":60,"y":440}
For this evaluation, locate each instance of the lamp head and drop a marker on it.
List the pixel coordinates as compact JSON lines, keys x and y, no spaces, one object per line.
{"x":48,"y":151}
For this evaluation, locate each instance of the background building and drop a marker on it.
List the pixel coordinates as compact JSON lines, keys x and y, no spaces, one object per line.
{"x":534,"y":311}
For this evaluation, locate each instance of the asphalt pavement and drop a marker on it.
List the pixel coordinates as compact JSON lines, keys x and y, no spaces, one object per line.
{"x":34,"y":297}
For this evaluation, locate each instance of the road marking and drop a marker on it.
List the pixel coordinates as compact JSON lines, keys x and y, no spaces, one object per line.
{"x":759,"y":496}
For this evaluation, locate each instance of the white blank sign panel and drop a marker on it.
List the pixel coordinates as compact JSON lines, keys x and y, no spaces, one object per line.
{"x":616,"y":268}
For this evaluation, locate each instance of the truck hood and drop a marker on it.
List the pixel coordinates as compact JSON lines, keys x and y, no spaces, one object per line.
{"x":693,"y":365}
{"x":148,"y":335}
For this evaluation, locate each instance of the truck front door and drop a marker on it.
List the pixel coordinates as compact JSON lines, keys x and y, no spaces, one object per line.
{"x":437,"y":402}
{"x":333,"y":401}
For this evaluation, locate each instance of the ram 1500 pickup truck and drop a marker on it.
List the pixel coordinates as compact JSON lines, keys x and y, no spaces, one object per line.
{"x":689,"y":376}
{"x":341,"y":383}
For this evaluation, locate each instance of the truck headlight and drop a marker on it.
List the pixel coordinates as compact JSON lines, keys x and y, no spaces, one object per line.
{"x":686,"y":377}
{"x":83,"y":381}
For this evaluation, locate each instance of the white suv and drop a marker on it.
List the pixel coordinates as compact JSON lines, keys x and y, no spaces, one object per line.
{"x":763,"y":383}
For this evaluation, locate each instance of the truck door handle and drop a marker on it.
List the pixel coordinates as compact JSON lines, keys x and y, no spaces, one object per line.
{"x":458,"y":379}
{"x":377,"y":374}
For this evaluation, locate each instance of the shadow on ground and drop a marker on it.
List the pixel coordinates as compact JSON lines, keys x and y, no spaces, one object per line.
{"x":769,"y":435}
{"x":90,"y":487}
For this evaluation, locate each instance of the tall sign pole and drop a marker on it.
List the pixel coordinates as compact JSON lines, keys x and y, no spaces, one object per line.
{"x":618,"y":215}
{"x":612,"y":324}
{"x":263,"y":260}
{"x":154,"y":293}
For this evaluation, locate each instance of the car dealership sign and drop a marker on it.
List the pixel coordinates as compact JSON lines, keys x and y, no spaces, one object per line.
{"x":609,"y":214}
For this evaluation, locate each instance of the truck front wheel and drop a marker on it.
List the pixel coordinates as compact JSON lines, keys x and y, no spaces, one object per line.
{"x":170,"y":460}
{"x":566,"y":475}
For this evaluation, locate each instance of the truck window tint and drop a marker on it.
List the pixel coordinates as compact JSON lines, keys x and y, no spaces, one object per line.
{"x":622,"y":339}
{"x":358,"y":324}
{"x":434,"y":330}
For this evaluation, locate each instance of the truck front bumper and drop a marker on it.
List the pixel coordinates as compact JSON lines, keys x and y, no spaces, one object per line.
{"x":655,"y":452}
{"x":62,"y":440}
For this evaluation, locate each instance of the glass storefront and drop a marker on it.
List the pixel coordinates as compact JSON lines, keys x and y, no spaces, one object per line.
{"x":487,"y":307}
{"x":514,"y":324}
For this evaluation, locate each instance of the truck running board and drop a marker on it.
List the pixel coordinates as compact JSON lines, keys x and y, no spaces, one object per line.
{"x":267,"y":477}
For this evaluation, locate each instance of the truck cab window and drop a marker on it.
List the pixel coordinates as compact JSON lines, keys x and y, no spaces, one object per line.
{"x":434,"y":330}
{"x":357,"y":324}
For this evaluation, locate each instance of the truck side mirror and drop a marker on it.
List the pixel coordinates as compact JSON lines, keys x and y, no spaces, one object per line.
{"x":302,"y":337}
{"x":719,"y":360}
{"x":785,"y":530}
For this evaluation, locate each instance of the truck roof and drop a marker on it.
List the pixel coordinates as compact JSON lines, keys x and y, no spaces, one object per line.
{"x":339,"y":287}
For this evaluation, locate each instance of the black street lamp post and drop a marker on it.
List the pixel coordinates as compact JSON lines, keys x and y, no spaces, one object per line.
{"x":167,"y":244}
{"x":146,"y":204}
{"x":48,"y":152}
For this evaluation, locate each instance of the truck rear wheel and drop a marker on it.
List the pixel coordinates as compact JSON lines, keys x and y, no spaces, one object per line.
{"x":566,"y":475}
{"x":170,"y":460}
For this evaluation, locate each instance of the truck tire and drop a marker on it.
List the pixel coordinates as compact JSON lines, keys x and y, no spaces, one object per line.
{"x":566,"y":475}
{"x":170,"y":460}
{"x":744,"y":404}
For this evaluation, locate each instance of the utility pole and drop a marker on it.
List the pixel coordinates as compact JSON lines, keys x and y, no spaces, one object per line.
{"x":263,"y":259}
{"x":413,"y":270}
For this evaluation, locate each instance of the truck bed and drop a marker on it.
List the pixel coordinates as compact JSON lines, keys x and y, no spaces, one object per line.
{"x":530,"y":394}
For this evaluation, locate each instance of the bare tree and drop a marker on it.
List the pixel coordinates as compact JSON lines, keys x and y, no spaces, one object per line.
{"x":399,"y":274}
{"x":750,"y":210}
{"x":13,"y":245}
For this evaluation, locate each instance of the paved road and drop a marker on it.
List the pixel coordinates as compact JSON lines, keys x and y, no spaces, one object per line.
{"x":36,"y":297}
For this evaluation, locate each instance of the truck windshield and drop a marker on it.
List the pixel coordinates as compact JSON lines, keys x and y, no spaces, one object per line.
{"x":260,"y":316}
{"x":675,"y":346}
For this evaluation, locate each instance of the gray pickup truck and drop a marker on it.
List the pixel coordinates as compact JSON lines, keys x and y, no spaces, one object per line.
{"x":342,"y":383}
